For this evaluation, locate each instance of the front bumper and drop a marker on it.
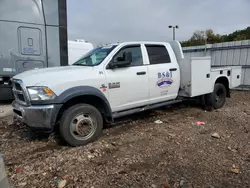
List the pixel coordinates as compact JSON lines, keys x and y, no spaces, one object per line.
{"x":42,"y":117}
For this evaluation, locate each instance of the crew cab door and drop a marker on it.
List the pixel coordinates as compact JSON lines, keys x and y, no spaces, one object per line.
{"x":164,"y":73}
{"x":128,"y":86}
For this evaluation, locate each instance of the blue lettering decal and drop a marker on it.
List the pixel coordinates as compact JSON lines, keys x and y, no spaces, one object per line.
{"x":167,"y":74}
{"x":30,"y":51}
{"x":164,"y":79}
{"x":159,"y":75}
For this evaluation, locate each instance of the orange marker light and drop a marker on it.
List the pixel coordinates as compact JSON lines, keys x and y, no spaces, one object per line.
{"x":48,"y":91}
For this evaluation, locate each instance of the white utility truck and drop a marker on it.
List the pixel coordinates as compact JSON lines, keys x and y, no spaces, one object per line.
{"x":114,"y":81}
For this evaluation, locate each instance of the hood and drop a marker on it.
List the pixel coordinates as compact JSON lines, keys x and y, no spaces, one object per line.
{"x":38,"y":77}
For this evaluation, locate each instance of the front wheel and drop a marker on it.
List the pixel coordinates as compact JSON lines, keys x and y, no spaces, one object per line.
{"x":217,"y":99}
{"x":81,"y":124}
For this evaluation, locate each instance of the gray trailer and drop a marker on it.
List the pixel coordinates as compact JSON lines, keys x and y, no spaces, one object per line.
{"x":33,"y":34}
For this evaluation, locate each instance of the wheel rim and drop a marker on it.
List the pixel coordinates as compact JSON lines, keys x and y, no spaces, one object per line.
{"x":219,"y":96}
{"x":83,"y":126}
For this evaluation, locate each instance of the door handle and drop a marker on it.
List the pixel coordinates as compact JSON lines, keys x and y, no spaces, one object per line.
{"x":173,"y":69}
{"x":141,"y":73}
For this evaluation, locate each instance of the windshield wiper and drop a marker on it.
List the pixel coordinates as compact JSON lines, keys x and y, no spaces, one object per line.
{"x":83,"y":65}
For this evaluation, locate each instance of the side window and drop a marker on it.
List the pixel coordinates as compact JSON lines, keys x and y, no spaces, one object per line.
{"x":136,"y":54}
{"x":158,"y":54}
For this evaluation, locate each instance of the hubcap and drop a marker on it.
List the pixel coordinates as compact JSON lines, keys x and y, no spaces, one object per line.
{"x":83,"y":126}
{"x":219,"y":95}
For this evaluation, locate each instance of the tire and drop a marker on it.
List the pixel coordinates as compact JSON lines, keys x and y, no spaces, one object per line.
{"x":217,"y":99}
{"x":76,"y":119}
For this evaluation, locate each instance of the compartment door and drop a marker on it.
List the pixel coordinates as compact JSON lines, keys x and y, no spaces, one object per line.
{"x":236,"y":79}
{"x":32,"y":48}
{"x":201,"y":81}
{"x":30,"y":41}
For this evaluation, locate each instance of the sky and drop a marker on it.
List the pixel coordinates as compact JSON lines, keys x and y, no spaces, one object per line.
{"x":105,"y":21}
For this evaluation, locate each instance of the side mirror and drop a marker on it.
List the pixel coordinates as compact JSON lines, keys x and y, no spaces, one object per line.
{"x":123,"y":61}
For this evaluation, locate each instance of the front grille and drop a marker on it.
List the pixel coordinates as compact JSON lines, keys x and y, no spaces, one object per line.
{"x":19,"y":92}
{"x":20,"y":97}
{"x":18,"y":86}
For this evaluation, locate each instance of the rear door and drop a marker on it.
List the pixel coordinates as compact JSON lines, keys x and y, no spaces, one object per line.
{"x":164,"y":76}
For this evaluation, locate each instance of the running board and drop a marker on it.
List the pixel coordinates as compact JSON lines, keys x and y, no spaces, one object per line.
{"x":149,"y":107}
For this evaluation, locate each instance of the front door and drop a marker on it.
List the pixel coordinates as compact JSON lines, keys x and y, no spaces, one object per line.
{"x":128,"y":86}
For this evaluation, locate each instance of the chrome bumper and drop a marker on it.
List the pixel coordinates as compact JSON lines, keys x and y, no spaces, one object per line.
{"x":38,"y":116}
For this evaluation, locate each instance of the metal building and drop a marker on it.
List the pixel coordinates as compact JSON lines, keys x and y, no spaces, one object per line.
{"x":226,"y":54}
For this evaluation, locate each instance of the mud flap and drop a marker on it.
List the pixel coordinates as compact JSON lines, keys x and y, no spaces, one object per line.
{"x":208,"y":102}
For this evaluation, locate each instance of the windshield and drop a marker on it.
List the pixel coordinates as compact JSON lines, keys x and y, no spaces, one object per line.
{"x":95,"y":56}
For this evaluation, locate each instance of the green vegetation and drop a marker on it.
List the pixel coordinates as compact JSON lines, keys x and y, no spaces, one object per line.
{"x":198,"y":37}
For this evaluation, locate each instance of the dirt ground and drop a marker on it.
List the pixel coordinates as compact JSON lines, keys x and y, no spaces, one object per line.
{"x":137,"y":152}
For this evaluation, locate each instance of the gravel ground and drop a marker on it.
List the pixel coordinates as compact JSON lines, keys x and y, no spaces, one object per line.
{"x":137,"y":152}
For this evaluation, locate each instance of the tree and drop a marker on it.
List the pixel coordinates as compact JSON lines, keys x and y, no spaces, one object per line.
{"x":198,"y":38}
{"x":211,"y":37}
{"x":208,"y":36}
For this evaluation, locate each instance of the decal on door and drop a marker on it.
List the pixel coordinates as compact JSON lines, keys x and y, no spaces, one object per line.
{"x":114,"y":85}
{"x":164,"y":79}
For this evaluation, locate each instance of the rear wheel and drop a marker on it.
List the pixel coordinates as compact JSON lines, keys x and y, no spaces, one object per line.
{"x":217,"y":99}
{"x":81,"y":124}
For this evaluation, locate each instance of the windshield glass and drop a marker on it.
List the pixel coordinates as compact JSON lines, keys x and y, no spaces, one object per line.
{"x":95,"y":56}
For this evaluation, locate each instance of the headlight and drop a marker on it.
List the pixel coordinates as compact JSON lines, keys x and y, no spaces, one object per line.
{"x":41,"y":93}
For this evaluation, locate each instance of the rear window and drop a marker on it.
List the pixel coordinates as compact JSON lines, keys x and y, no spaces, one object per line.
{"x":158,"y":54}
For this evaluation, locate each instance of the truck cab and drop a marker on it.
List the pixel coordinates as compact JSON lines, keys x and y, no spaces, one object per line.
{"x":114,"y":81}
{"x":149,"y":72}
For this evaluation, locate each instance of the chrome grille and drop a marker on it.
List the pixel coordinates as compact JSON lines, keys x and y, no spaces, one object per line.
{"x":20,"y":92}
{"x":18,"y":86}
